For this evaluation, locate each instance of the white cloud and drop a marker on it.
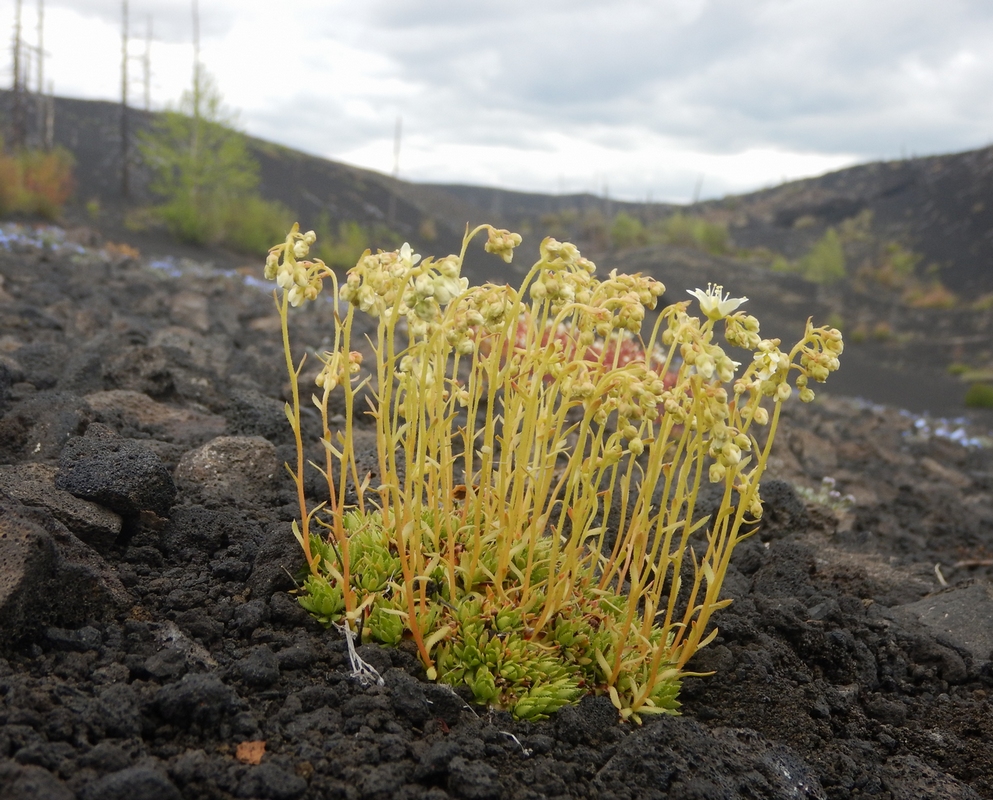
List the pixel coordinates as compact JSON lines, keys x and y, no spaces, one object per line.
{"x":641,"y":95}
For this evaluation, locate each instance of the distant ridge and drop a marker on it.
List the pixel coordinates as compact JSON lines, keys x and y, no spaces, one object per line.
{"x":940,"y":206}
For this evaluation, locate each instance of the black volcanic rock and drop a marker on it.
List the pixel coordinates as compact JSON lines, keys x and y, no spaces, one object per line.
{"x":116,"y":473}
{"x":39,"y":425}
{"x":147,"y":668}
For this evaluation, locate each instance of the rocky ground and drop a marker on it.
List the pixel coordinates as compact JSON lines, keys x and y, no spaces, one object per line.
{"x":151,"y":647}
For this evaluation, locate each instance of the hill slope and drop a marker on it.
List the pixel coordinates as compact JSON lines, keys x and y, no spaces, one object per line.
{"x":940,"y":206}
{"x":939,"y":209}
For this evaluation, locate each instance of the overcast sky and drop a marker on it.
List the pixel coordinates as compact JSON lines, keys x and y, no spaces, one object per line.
{"x":641,"y":98}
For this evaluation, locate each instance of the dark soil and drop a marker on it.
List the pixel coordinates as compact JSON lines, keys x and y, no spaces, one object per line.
{"x":148,"y":631}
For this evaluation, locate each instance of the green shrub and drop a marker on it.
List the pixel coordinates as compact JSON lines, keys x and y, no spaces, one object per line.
{"x":979,"y":395}
{"x":835,"y":320}
{"x":686,"y":231}
{"x":253,"y":222}
{"x":900,"y":259}
{"x":983,"y":303}
{"x":678,"y":230}
{"x":627,"y":231}
{"x":202,"y":169}
{"x":857,"y":229}
{"x":342,"y":249}
{"x":782,"y":264}
{"x":713,"y":237}
{"x":825,"y":263}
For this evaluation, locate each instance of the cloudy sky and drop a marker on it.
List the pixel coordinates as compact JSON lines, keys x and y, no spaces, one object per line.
{"x":640,"y":98}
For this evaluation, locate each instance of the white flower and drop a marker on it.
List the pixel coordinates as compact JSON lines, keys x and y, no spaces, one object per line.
{"x":407,"y":256}
{"x":713,"y":304}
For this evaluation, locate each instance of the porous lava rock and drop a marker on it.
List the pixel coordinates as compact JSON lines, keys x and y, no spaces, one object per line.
{"x":115,"y":472}
{"x":230,"y":468}
{"x":48,"y":576}
{"x":148,"y":664}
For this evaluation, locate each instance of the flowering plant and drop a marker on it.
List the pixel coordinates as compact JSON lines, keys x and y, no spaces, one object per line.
{"x":536,"y":531}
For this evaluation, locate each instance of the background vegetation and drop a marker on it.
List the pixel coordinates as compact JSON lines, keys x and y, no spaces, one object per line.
{"x":35,"y":182}
{"x":202,"y":169}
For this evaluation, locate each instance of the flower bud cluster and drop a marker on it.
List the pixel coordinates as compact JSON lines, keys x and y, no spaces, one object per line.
{"x":726,"y":443}
{"x":336,"y":367}
{"x":302,"y":280}
{"x":626,"y":297}
{"x":502,"y":243}
{"x":560,"y":255}
{"x":489,"y":307}
{"x":399,"y":282}
{"x":770,"y":367}
{"x":564,"y":276}
{"x":376,"y":282}
{"x":819,"y":356}
{"x":480,"y":311}
{"x":576,"y":379}
{"x":696,"y":345}
{"x":434,"y":286}
{"x":637,"y":394}
{"x":561,"y":287}
{"x":769,"y":371}
{"x":742,"y":330}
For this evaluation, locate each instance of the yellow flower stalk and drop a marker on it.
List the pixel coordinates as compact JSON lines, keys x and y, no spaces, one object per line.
{"x":553,"y":440}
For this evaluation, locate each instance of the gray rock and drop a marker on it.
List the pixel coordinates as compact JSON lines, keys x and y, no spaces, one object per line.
{"x":239,"y":469}
{"x":193,"y":529}
{"x":79,"y":640}
{"x":128,"y":410}
{"x":48,"y":577}
{"x":817,"y":455}
{"x":163,"y":373}
{"x":119,"y":711}
{"x":117,"y":473}
{"x":271,"y":782}
{"x":197,"y":699}
{"x":278,"y":558}
{"x":133,"y":783}
{"x":34,"y":485}
{"x":958,"y":617}
{"x":190,"y":310}
{"x":251,"y":413}
{"x":6,"y":381}
{"x":27,"y":565}
{"x":203,"y":352}
{"x":259,"y":668}
{"x":473,"y":780}
{"x":37,"y":427}
{"x":42,"y":362}
{"x":30,"y":782}
{"x":142,"y":369}
{"x":908,"y":778}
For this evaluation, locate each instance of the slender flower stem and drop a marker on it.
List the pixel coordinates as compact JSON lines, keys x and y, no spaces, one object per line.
{"x":539,"y":469}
